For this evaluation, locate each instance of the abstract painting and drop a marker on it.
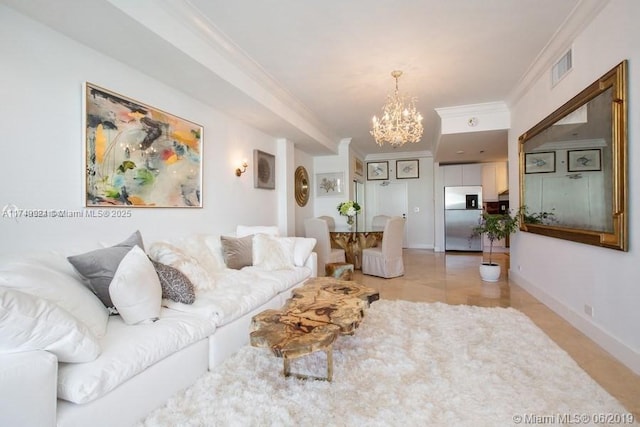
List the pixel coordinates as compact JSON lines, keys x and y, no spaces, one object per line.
{"x":139,"y":156}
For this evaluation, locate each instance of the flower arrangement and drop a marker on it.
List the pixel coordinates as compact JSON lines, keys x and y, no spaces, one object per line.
{"x":349,"y":208}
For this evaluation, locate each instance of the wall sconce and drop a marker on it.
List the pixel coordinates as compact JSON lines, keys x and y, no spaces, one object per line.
{"x":244,"y":168}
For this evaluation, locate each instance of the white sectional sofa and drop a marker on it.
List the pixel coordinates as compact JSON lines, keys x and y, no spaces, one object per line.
{"x":65,"y":361}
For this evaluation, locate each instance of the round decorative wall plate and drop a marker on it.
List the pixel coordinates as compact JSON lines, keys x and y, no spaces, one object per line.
{"x":301,"y":186}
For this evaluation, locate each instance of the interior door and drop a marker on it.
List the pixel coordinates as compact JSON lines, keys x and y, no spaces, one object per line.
{"x":391,"y":198}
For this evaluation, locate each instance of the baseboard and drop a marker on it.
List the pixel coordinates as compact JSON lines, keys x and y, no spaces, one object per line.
{"x":420,"y":246}
{"x":623,"y":353}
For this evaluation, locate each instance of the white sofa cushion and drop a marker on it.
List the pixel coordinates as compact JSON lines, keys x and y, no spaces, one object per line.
{"x":303,"y":246}
{"x":31,"y":323}
{"x":171,"y":255}
{"x":238,"y":292}
{"x":129,"y":350}
{"x":135,"y":289}
{"x":273,"y":253}
{"x":50,"y":276}
{"x":280,"y":280}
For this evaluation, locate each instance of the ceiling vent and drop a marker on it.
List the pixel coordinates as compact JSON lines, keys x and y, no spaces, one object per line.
{"x":562,"y":67}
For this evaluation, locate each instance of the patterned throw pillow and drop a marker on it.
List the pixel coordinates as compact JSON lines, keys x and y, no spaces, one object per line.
{"x":175,"y":285}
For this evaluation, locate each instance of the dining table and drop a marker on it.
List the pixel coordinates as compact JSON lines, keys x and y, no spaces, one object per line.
{"x":353,"y":242}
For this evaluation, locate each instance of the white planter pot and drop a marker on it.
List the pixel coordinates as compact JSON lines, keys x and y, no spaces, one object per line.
{"x":490,"y":273}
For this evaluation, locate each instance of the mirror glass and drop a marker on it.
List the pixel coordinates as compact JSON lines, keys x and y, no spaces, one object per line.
{"x":573,"y":167}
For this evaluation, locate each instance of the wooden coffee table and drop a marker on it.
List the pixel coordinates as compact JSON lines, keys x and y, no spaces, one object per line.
{"x":311,"y":320}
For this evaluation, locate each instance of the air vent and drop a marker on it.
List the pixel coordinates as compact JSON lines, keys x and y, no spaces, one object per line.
{"x":561,"y":68}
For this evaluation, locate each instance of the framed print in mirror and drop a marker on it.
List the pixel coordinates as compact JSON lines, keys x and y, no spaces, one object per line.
{"x":540,"y":162}
{"x":377,"y":171}
{"x":329,"y":184}
{"x":407,"y":169}
{"x":583,"y":160}
{"x":137,"y":155}
{"x":264,"y":170}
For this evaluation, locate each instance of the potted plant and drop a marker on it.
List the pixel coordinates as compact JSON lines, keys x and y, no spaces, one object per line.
{"x":495,"y":227}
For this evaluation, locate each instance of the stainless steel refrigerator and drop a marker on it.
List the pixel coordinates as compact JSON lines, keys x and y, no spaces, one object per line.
{"x":462,"y":212}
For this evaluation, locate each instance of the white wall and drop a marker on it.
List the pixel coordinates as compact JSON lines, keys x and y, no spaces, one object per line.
{"x":41,"y":78}
{"x":420,"y":196}
{"x":567,"y":276}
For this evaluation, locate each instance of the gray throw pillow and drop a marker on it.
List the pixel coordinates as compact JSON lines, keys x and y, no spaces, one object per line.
{"x":175,"y":285}
{"x":100,"y":265}
{"x":237,"y":252}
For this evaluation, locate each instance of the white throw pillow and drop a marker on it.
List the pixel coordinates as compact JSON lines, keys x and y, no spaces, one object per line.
{"x":54,"y":279}
{"x":249,"y":230}
{"x":273,"y":253}
{"x":303,"y":246}
{"x":30,"y":323}
{"x":171,"y":255}
{"x":135,"y":289}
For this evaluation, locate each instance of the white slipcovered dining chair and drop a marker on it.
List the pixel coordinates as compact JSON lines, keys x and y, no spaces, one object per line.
{"x":386,"y":260}
{"x":331,"y":223}
{"x":319,"y":229}
{"x":378,"y":222}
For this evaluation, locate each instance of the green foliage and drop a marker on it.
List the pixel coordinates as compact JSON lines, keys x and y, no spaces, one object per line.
{"x":536,"y":217}
{"x":349,"y":208}
{"x":496,"y":227}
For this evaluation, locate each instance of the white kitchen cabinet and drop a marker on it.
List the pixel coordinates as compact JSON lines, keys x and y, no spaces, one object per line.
{"x":468,"y":174}
{"x":494,"y":180}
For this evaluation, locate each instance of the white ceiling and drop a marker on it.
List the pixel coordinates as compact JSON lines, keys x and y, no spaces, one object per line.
{"x":316,"y":71}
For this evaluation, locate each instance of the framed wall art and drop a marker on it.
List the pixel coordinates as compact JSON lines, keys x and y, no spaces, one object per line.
{"x":264,"y":170}
{"x":329,"y":184}
{"x":583,"y":160}
{"x":540,"y":162}
{"x":407,"y":169}
{"x":377,"y":171}
{"x":139,"y":156}
{"x":358,"y":167}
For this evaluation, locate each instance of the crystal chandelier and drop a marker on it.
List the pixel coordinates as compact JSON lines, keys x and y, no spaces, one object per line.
{"x":400,"y":122}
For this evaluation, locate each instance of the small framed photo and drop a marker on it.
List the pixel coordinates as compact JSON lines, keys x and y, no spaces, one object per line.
{"x":329,"y":184}
{"x":264,"y":170}
{"x":358,"y":167}
{"x":377,"y":171}
{"x":584,"y":160}
{"x":407,"y":169}
{"x":544,"y":162}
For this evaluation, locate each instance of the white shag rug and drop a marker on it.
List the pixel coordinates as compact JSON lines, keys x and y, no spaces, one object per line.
{"x":409,"y":364}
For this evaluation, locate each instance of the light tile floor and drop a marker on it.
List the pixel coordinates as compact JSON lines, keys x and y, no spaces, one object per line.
{"x":453,"y":278}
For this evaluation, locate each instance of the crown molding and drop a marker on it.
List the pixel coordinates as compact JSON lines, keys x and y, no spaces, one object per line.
{"x":472,"y":109}
{"x":581,"y":16}
{"x":188,"y":29}
{"x":398,"y":156}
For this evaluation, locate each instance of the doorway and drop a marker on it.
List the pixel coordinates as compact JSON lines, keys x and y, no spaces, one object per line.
{"x":391,"y":198}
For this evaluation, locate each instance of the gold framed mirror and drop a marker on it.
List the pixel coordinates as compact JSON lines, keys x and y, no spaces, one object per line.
{"x":301,"y":178}
{"x":573,"y":167}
